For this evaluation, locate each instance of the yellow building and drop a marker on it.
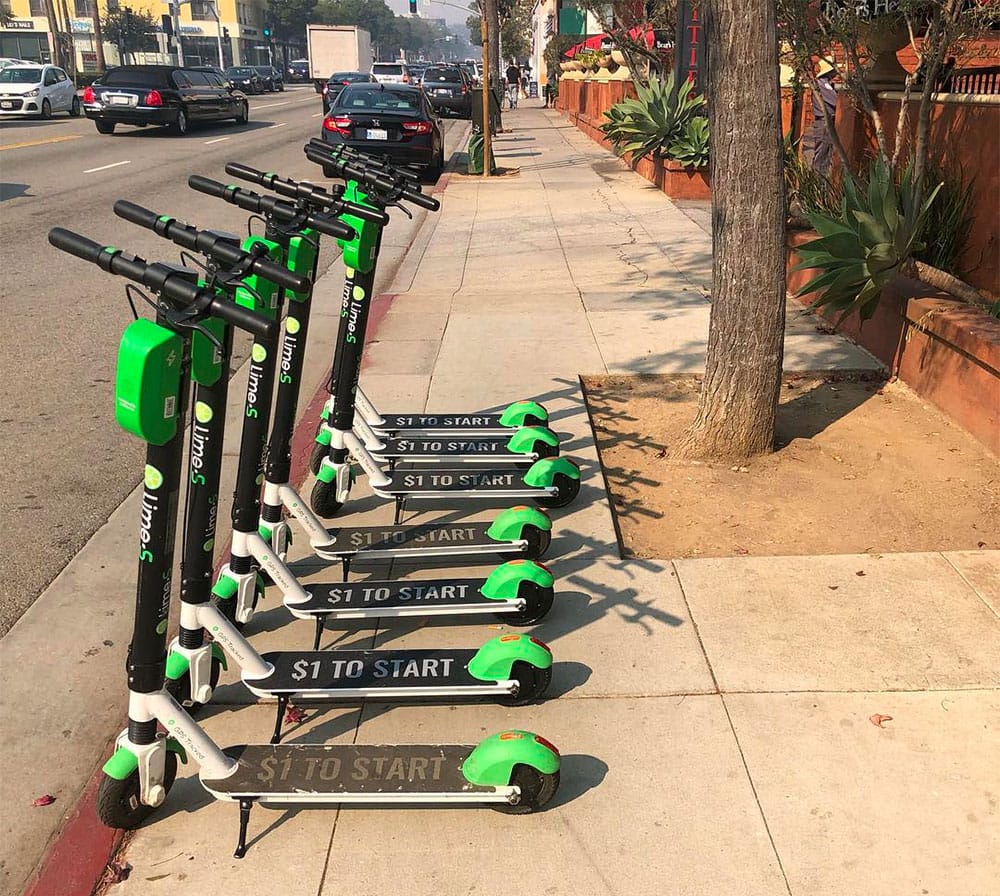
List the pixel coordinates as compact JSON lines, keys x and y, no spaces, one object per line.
{"x":235,"y":26}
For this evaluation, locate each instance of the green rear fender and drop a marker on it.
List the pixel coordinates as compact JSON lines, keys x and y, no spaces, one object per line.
{"x":524,"y":439}
{"x":542,"y":473}
{"x":504,"y":583}
{"x":123,"y":761}
{"x":509,"y":524}
{"x":493,"y":661}
{"x":225,"y":588}
{"x":524,"y":413}
{"x":491,"y":763}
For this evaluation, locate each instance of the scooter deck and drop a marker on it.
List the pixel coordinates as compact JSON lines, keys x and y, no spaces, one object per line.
{"x":372,"y":674}
{"x":471,"y":450}
{"x":371,"y":772}
{"x":360,"y":600}
{"x":466,"y":483}
{"x":442,"y":424}
{"x":416,"y":540}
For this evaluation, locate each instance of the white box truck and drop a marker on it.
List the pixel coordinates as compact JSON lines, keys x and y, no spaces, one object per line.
{"x":337,"y":48}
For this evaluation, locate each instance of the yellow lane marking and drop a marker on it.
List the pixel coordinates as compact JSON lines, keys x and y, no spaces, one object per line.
{"x":40,"y":142}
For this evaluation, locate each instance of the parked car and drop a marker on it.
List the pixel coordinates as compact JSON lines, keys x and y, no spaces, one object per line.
{"x":270,"y":78}
{"x":338,"y":81}
{"x":417,"y":70}
{"x":162,"y":94}
{"x":245,"y":78}
{"x":7,"y":60}
{"x":37,"y":90}
{"x":470,"y":69}
{"x":395,"y":121}
{"x":214,"y":69}
{"x":298,"y":71}
{"x":449,"y":88}
{"x":391,"y":72}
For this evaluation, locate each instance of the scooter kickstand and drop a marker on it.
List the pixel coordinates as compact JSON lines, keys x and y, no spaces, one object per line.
{"x":279,"y":718}
{"x":246,"y":804}
{"x":318,"y":635}
{"x":400,"y":506}
{"x":345,"y":564}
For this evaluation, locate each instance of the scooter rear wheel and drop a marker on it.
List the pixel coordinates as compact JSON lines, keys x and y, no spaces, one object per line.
{"x":532,"y":683}
{"x":118,"y":803}
{"x":538,"y":543}
{"x":567,"y":488}
{"x":538,"y":602}
{"x":537,"y":790}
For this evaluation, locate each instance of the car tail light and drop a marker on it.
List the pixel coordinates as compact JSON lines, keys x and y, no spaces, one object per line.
{"x":326,"y":89}
{"x":465,"y":90}
{"x":417,"y":127}
{"x":153,"y":98}
{"x":406,"y":79}
{"x":340,"y":124}
{"x":88,"y":94}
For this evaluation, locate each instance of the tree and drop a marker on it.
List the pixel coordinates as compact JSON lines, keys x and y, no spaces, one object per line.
{"x":739,"y":397}
{"x":289,"y":17}
{"x":133,"y":33}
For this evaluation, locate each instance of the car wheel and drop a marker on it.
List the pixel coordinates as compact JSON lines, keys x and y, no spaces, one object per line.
{"x":244,"y":114}
{"x":74,"y":107}
{"x":181,"y":125}
{"x":46,"y":112}
{"x":281,"y":88}
{"x":105,"y":127}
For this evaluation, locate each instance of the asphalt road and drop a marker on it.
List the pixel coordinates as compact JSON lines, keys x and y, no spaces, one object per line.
{"x":66,"y":465}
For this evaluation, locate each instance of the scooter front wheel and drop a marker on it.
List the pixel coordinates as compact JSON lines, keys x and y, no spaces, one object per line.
{"x":319,"y":451}
{"x":538,"y":541}
{"x":118,"y":803}
{"x":538,"y":602}
{"x":323,"y":499}
{"x":180,"y":688}
{"x":537,"y":790}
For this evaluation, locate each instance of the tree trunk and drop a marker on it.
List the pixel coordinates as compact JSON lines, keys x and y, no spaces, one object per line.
{"x":99,"y":38}
{"x":739,"y":398}
{"x":54,"y":29}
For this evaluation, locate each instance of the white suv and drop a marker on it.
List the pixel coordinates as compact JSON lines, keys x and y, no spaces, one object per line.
{"x":391,"y":73}
{"x":37,"y":90}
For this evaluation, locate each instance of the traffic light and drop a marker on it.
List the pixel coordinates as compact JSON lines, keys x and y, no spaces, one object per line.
{"x":267,"y":32}
{"x":127,"y":17}
{"x":413,"y":7}
{"x":225,"y":33}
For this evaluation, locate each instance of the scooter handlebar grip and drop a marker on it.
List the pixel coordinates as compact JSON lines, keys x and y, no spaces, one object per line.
{"x":208,"y":186}
{"x":421,"y":199}
{"x":74,"y":244}
{"x":136,"y":214}
{"x":331,"y":227}
{"x":245,"y":172}
{"x":281,"y":276}
{"x":262,"y":327}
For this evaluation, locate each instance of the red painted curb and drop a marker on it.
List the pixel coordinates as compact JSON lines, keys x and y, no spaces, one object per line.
{"x":75,"y":862}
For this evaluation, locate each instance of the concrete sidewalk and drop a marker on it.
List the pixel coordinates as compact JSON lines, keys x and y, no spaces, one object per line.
{"x":713,"y":715}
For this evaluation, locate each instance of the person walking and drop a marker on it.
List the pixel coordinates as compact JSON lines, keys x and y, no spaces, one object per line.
{"x":513,"y":84}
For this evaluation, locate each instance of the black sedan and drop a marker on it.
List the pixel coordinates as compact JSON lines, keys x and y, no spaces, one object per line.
{"x":338,"y":81}
{"x":449,"y":88}
{"x":245,"y":78}
{"x":270,"y":78}
{"x":161,"y":94}
{"x":391,"y":120}
{"x":298,"y":70}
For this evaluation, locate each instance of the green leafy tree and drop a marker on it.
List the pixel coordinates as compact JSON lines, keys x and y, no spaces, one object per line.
{"x":290,"y":17}
{"x":372,"y":15}
{"x":135,"y":33}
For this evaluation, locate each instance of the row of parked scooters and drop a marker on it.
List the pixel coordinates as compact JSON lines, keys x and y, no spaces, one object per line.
{"x":172,"y":378}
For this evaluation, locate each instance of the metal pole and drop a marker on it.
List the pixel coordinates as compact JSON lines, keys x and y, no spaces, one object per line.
{"x":218,"y":33}
{"x":175,"y":12}
{"x":486,"y":93}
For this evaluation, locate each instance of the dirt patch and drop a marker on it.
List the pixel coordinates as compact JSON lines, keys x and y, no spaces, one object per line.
{"x":861,"y":466}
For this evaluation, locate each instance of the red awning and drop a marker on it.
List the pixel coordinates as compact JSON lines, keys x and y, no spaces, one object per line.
{"x":594,"y":43}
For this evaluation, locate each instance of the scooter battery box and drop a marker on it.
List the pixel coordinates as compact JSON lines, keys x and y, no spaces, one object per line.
{"x":359,"y":253}
{"x":147,"y":381}
{"x":258,"y":294}
{"x":302,"y":258}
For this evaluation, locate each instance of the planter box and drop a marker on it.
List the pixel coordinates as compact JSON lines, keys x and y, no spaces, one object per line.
{"x":686,"y":183}
{"x":946,"y":351}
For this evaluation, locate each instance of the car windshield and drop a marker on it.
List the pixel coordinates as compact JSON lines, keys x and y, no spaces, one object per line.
{"x":363,"y":99}
{"x":135,"y":77}
{"x":384,"y":69}
{"x":14,"y":75}
{"x":443,"y":74}
{"x":240,"y":72}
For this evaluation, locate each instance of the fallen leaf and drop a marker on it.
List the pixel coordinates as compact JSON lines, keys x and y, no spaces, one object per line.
{"x":981,"y":544}
{"x":45,"y":800}
{"x":116,"y":872}
{"x":294,"y":714}
{"x":741,"y":551}
{"x":860,"y":572}
{"x":833,"y":587}
{"x":878,"y":719}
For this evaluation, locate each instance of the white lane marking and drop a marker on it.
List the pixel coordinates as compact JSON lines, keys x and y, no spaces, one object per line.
{"x":317,"y":115}
{"x":274,"y":105}
{"x":106,"y":167}
{"x":279,"y":124}
{"x":216,"y":140}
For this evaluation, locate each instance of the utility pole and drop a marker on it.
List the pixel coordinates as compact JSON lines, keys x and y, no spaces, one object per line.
{"x":487,"y":140}
{"x":175,"y":14}
{"x":218,"y":31}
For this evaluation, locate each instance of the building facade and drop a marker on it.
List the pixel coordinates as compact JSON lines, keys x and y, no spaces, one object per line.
{"x":232,"y":29}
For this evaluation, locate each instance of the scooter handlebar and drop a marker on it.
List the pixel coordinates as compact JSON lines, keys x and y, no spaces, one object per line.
{"x":210,"y":244}
{"x":307,"y":193}
{"x":171,"y":285}
{"x":283,"y":212}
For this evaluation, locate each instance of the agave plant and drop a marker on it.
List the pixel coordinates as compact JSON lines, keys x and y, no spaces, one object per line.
{"x":859,"y":251}
{"x":691,"y":147}
{"x":653,"y":121}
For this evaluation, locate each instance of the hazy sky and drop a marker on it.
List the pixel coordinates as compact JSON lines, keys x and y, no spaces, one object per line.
{"x":431,"y":10}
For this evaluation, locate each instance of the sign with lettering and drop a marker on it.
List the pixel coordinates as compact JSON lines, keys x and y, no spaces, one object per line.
{"x":690,"y":56}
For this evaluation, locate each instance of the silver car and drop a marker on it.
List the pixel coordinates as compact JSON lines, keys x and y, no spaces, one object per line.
{"x":37,"y":90}
{"x":391,"y":73}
